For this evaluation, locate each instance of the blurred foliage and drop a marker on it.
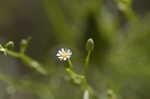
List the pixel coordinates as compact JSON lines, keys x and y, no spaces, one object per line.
{"x":119,"y":64}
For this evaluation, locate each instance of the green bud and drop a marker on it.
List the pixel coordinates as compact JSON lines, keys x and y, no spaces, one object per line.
{"x":127,"y":2}
{"x":111,"y":94}
{"x":124,"y":4}
{"x":2,"y":50}
{"x":90,"y":44}
{"x":9,"y":45}
{"x":24,"y":43}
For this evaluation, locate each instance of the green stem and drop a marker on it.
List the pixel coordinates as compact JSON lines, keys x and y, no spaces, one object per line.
{"x":130,"y":15}
{"x":12,"y":53}
{"x":85,"y":83}
{"x":33,"y":64}
{"x":87,"y":62}
{"x":69,"y":63}
{"x":9,"y":80}
{"x":79,"y":80}
{"x":29,"y":61}
{"x":127,"y":10}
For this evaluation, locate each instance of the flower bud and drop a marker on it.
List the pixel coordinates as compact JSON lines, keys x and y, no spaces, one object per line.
{"x":90,"y":44}
{"x":124,"y":4}
{"x":110,"y":94}
{"x":2,"y":50}
{"x":127,"y":2}
{"x":9,"y":45}
{"x":24,"y":43}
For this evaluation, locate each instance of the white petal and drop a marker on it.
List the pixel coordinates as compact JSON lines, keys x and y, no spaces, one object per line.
{"x":60,"y":57}
{"x":68,"y":57}
{"x":65,"y":59}
{"x":69,"y":53}
{"x":58,"y":54}
{"x":63,"y":50}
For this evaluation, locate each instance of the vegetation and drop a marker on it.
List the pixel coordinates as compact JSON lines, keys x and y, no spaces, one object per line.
{"x":109,"y":60}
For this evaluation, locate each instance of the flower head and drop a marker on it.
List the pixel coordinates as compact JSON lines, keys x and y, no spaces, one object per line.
{"x":64,"y":54}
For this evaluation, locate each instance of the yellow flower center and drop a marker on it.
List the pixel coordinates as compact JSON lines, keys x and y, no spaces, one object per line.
{"x":64,"y":55}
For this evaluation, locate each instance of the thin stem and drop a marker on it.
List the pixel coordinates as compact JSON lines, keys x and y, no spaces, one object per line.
{"x":7,"y":79}
{"x":79,"y":80}
{"x":12,"y":53}
{"x":87,"y":62}
{"x":27,"y":60}
{"x":85,"y":83}
{"x":33,"y":64}
{"x":69,"y":63}
{"x":127,"y":10}
{"x":86,"y":94}
{"x":130,"y":15}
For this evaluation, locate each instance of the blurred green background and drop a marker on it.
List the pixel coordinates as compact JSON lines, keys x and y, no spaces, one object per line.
{"x":120,"y":60}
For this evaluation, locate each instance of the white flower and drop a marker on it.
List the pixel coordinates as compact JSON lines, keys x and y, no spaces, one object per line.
{"x":64,"y":54}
